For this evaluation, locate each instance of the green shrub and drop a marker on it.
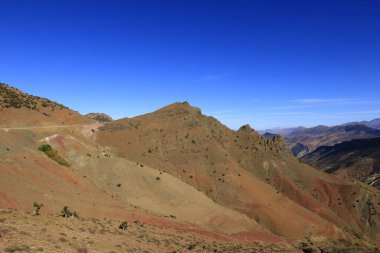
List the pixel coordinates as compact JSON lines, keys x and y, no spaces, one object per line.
{"x":53,"y":154}
{"x":66,"y":213}
{"x":45,"y":148}
{"x":37,"y":208}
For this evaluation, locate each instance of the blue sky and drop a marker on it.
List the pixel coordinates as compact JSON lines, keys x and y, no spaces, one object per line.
{"x":269,"y":63}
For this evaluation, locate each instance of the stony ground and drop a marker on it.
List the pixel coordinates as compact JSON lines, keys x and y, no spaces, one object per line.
{"x":23,"y":232}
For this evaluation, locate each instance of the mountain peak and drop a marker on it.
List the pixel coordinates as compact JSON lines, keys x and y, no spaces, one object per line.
{"x":180,"y":107}
{"x":246,"y":127}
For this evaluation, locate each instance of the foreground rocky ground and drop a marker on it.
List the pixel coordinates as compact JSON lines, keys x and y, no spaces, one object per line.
{"x":23,"y":232}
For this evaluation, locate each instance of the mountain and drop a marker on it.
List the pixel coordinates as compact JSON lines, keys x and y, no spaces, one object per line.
{"x":100,"y":117}
{"x":236,"y":168}
{"x":302,"y":141}
{"x":174,"y":172}
{"x":355,"y":159}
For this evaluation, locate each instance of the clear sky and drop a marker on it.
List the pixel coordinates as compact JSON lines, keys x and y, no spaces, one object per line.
{"x":269,"y":63}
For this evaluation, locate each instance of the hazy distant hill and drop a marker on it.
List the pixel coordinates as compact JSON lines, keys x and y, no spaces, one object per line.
{"x":372,"y":123}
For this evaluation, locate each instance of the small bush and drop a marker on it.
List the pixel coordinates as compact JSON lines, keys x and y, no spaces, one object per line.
{"x":17,"y":248}
{"x":81,"y":250}
{"x":123,"y":225}
{"x":66,"y":213}
{"x":37,"y":208}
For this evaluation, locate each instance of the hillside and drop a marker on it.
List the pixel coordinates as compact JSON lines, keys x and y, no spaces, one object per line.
{"x":235,"y":168}
{"x":356,"y":159}
{"x":178,"y":172}
{"x":19,"y":109}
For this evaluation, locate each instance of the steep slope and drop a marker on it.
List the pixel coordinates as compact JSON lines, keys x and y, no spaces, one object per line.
{"x":19,"y":109}
{"x":243,"y":171}
{"x":124,"y":189}
{"x":96,"y":183}
{"x":356,"y":159}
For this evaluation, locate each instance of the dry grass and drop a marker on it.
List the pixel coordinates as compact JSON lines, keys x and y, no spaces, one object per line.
{"x":48,"y":233}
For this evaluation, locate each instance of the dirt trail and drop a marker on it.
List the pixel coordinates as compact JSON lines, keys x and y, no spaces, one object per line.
{"x":6,"y":129}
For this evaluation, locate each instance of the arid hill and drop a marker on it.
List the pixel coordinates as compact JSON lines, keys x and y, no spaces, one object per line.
{"x":243,"y":171}
{"x":176,"y":169}
{"x":19,"y":109}
{"x":100,"y":117}
{"x":356,"y":159}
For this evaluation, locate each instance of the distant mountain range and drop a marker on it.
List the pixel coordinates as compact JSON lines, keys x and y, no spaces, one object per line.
{"x":302,"y":140}
{"x":350,"y":150}
{"x":375,"y":123}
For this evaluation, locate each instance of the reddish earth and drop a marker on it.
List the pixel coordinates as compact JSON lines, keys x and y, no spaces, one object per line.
{"x":9,"y":202}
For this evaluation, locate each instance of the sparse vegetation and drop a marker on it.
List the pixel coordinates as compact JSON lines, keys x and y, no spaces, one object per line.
{"x":15,"y":248}
{"x":123,"y":225}
{"x":82,"y":250}
{"x":37,"y":208}
{"x":53,"y":154}
{"x":66,"y":213}
{"x":13,"y":98}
